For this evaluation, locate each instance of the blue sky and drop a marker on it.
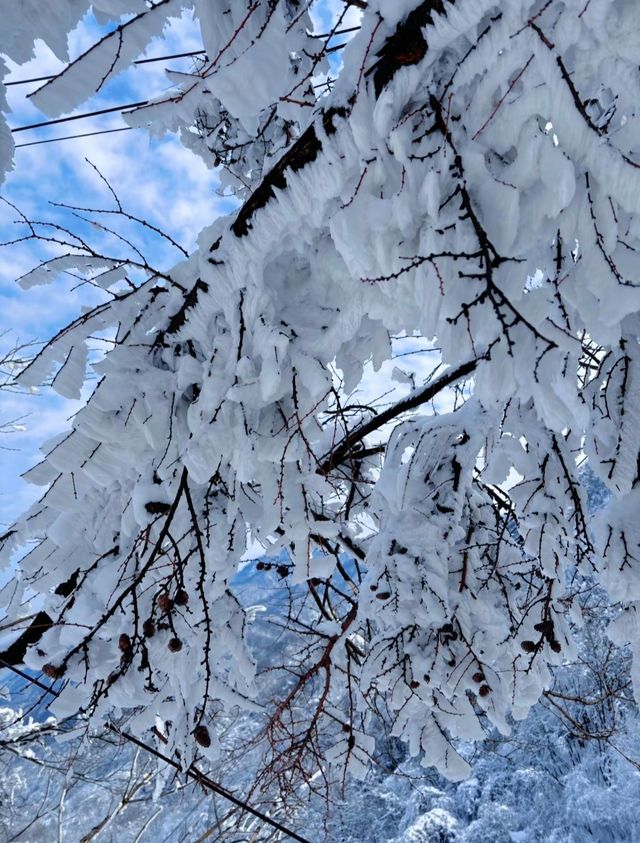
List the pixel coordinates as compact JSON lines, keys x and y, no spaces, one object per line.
{"x":155,"y":179}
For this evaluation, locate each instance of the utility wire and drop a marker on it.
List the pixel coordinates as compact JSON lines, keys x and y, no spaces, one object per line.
{"x":138,"y":61}
{"x":328,"y":83}
{"x":174,"y":56}
{"x":337,"y":32}
{"x":71,"y":137}
{"x":192,"y":772}
{"x":80,"y":116}
{"x":125,"y":106}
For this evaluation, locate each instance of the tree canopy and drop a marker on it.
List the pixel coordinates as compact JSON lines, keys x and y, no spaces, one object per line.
{"x":466,"y":179}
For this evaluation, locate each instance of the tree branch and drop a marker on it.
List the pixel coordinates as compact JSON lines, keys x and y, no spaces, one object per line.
{"x":420,"y":396}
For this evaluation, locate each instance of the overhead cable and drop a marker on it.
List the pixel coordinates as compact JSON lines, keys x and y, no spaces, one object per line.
{"x":189,"y":54}
{"x":191,"y":772}
{"x":84,"y":114}
{"x":138,"y":61}
{"x":72,"y":137}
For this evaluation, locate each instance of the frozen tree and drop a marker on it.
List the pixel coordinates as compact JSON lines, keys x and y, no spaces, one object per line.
{"x":466,"y":179}
{"x":14,"y":356}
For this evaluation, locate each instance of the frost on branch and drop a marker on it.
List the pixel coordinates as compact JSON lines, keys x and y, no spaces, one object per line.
{"x":473,"y":180}
{"x":113,"y":53}
{"x":23,"y":23}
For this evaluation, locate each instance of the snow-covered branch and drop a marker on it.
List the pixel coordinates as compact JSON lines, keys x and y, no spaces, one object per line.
{"x":472,"y":178}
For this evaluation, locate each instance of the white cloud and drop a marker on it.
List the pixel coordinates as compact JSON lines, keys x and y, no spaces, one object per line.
{"x":157,"y":180}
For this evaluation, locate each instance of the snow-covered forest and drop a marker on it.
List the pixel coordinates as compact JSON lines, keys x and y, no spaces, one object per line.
{"x":337,"y":538}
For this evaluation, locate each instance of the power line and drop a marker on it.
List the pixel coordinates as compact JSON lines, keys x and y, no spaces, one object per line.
{"x":337,"y":32}
{"x":71,"y":137}
{"x":130,"y":105}
{"x":138,"y":61}
{"x":124,"y":107}
{"x":202,"y":779}
{"x":80,"y":116}
{"x":192,"y":772}
{"x":174,"y":56}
